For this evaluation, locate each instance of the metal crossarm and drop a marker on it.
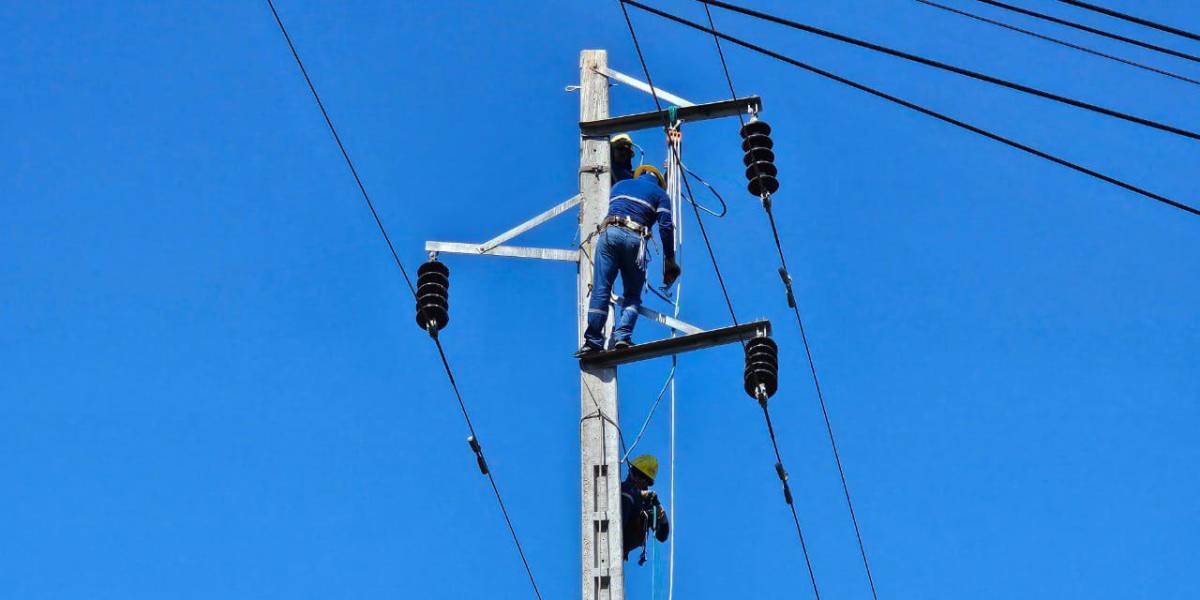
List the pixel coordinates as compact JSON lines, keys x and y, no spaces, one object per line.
{"x":678,"y":345}
{"x":647,"y":120}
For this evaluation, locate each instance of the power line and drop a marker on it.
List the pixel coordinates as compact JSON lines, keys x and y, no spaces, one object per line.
{"x":729,"y":303}
{"x":487,"y":471}
{"x":803,"y":335}
{"x":345,"y":154}
{"x":700,"y":221}
{"x":1055,"y":40}
{"x":787,"y":491}
{"x":953,"y":69}
{"x":921,"y":109}
{"x":474,"y":439}
{"x":1093,"y":30}
{"x":1132,"y":19}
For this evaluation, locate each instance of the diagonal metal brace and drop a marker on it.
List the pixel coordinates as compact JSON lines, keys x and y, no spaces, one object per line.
{"x":530,"y":224}
{"x":664,"y":320}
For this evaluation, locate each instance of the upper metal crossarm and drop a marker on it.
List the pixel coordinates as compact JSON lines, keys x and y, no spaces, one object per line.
{"x":697,"y":112}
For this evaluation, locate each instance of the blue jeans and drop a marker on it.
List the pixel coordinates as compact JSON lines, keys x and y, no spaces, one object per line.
{"x":616,"y":250}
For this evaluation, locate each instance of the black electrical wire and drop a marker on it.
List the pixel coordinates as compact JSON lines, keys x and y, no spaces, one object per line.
{"x":492,"y":480}
{"x":729,"y":303}
{"x":712,"y":190}
{"x":1055,"y":40}
{"x":787,"y":492}
{"x":703,"y":232}
{"x":1093,"y":30}
{"x":441,"y":351}
{"x":1132,"y":19}
{"x":921,"y":109}
{"x":954,"y":69}
{"x":346,"y":155}
{"x":804,"y":338}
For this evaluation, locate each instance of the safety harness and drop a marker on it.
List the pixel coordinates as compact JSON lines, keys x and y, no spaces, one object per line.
{"x":643,"y":231}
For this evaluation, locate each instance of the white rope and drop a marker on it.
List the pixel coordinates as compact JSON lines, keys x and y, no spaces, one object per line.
{"x":675,"y":174}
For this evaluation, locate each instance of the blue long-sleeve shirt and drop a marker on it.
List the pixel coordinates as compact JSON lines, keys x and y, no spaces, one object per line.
{"x":643,"y":201}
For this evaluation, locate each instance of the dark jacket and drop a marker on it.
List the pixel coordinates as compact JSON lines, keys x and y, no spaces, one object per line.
{"x":638,"y":514}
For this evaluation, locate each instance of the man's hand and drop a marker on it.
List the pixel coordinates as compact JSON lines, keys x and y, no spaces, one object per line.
{"x":671,"y":272}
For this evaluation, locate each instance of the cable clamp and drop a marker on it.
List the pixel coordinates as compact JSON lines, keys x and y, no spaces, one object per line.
{"x":783,"y":477}
{"x":787,"y":283}
{"x":478,"y":450}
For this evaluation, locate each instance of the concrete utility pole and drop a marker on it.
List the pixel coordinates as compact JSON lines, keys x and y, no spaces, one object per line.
{"x":601,"y":553}
{"x":599,"y":441}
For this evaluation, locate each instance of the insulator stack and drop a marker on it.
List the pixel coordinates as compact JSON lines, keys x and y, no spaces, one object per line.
{"x":762,"y":368}
{"x":759,"y":158}
{"x":433,"y":296}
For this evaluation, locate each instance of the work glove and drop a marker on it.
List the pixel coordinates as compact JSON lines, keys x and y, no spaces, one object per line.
{"x":671,"y":272}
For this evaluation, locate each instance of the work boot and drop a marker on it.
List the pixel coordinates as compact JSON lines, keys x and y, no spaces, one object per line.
{"x":586,"y":350}
{"x":621,"y":344}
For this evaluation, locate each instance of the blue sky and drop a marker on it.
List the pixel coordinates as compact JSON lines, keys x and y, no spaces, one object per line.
{"x":213,"y":385}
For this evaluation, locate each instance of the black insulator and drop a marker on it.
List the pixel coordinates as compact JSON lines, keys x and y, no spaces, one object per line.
{"x":433,"y":296}
{"x":757,"y":141}
{"x":759,"y":158}
{"x":761,"y":167}
{"x":763,"y":184}
{"x":755,"y":127}
{"x":762,"y":368}
{"x":756,"y":154}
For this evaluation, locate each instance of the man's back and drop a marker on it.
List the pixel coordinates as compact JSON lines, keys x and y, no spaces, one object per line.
{"x":640,"y":199}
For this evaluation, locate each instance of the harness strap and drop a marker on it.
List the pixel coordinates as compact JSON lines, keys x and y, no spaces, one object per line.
{"x":627,"y":223}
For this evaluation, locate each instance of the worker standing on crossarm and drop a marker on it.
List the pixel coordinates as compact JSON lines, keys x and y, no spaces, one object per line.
{"x":635,"y":205}
{"x":640,"y":508}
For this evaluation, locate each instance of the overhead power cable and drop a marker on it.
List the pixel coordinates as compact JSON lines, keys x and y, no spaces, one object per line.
{"x":1093,"y":30}
{"x":953,"y":69}
{"x":1060,"y":42}
{"x":791,"y":301}
{"x":699,"y":220}
{"x":916,"y":107}
{"x":729,"y":303}
{"x":473,"y":440}
{"x":1132,"y":19}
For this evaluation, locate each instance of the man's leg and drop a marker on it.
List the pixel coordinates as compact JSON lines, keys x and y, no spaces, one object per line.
{"x":633,"y":277}
{"x":604,"y":272}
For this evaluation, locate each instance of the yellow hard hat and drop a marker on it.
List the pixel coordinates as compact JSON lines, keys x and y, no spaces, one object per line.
{"x":662,"y":183}
{"x":647,"y":465}
{"x":621,"y":138}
